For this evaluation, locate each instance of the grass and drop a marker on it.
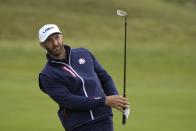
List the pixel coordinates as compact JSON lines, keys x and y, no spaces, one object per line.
{"x":160,"y":69}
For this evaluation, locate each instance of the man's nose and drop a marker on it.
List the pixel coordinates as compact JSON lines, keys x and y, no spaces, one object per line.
{"x":56,"y":42}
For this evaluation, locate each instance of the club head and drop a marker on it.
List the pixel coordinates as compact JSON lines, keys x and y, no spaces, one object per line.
{"x":121,"y":13}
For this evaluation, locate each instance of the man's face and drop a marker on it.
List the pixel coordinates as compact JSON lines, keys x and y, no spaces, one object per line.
{"x":54,"y":44}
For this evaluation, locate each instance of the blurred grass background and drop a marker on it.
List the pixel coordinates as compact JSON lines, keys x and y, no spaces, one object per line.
{"x":161,"y":64}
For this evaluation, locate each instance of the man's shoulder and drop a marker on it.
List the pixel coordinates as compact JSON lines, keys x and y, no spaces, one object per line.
{"x":46,"y":69}
{"x":79,"y":49}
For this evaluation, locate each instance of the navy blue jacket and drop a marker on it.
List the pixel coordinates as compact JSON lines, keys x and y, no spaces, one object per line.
{"x":79,"y":85}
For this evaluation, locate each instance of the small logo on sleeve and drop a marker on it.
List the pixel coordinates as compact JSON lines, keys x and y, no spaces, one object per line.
{"x":81,"y":61}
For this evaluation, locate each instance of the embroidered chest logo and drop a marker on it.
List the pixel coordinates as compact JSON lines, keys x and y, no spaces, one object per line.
{"x":81,"y":61}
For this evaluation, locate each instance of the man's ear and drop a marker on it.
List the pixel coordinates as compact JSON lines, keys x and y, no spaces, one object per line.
{"x":42,"y":45}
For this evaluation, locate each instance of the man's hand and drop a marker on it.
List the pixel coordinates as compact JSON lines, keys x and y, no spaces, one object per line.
{"x":117,"y":102}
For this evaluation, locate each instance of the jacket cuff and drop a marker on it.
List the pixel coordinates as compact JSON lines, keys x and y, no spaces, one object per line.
{"x":99,"y":100}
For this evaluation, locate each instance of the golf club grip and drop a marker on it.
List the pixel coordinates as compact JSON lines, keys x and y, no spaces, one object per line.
{"x":124,"y":119}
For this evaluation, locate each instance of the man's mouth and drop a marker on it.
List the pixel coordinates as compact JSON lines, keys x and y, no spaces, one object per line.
{"x":57,"y":48}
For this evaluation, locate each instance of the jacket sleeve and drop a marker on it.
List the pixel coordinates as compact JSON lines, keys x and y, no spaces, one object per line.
{"x":105,"y":79}
{"x":60,"y":94}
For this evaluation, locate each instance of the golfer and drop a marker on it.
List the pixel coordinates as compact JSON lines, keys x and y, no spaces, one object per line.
{"x":75,"y":80}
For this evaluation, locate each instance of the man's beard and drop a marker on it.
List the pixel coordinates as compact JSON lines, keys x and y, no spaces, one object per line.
{"x":55,"y":51}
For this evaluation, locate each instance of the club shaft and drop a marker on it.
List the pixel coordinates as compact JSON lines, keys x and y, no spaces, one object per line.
{"x":125,"y":64}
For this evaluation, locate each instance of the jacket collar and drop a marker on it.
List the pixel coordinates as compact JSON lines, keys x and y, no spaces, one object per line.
{"x":66,"y":60}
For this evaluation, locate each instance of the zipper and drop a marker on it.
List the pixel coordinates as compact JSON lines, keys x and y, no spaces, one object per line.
{"x":83,"y":89}
{"x":75,"y":73}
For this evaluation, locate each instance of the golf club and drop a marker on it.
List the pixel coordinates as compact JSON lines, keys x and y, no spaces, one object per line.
{"x":124,"y":14}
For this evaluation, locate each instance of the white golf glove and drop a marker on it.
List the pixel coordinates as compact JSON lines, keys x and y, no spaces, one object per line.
{"x":127,"y":112}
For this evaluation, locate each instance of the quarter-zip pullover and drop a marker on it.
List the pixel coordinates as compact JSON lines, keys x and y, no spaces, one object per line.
{"x":79,"y":85}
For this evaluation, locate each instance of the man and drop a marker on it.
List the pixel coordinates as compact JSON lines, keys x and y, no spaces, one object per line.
{"x":75,"y":80}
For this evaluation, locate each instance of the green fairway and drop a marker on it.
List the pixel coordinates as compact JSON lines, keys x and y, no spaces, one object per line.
{"x":161,"y":75}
